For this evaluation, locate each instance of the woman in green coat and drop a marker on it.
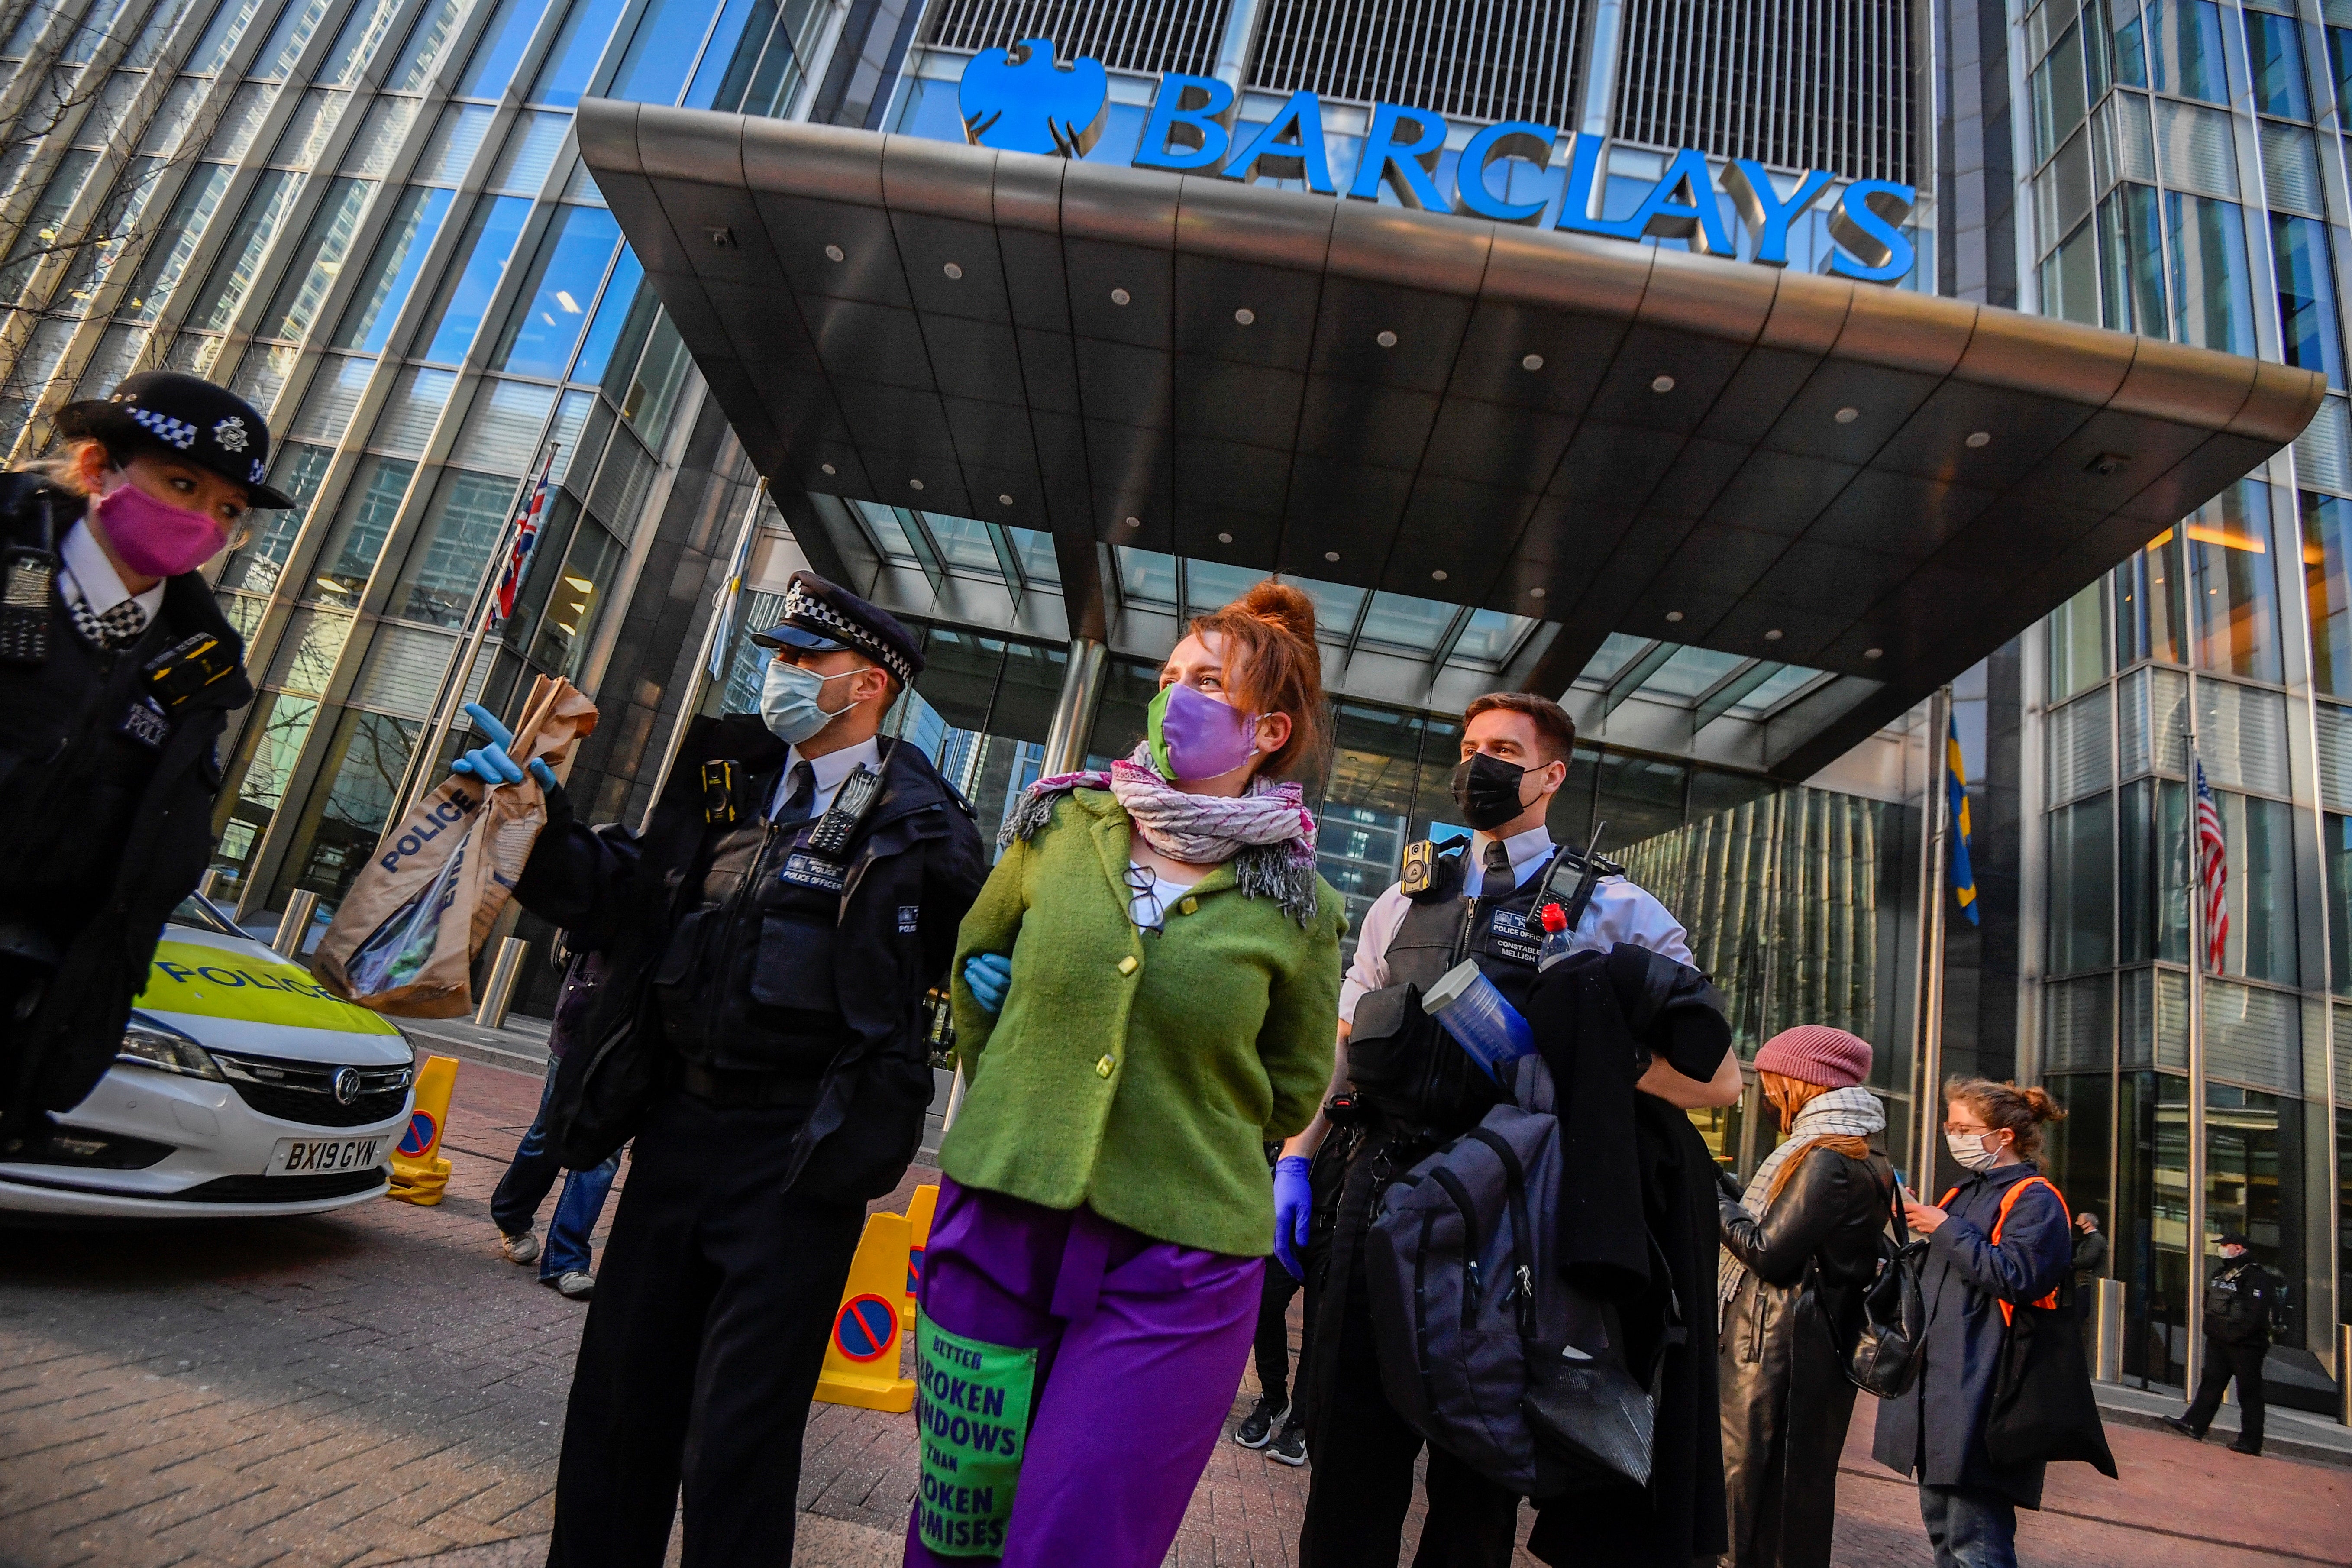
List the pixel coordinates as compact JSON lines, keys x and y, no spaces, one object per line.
{"x":1146,"y":995}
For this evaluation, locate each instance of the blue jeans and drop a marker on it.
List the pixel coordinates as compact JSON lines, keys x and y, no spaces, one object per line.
{"x":1969,"y":1527}
{"x":515,"y":1205}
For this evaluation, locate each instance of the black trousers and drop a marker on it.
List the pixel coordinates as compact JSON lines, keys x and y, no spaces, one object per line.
{"x":2222,"y":1363}
{"x":702,"y":1348}
{"x":1272,"y":1345}
{"x":1363,"y":1479}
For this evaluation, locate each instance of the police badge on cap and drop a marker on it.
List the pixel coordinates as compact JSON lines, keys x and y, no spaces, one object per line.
{"x":183,"y":416}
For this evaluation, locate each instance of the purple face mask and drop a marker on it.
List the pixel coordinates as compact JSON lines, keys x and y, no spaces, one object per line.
{"x":1194,"y":736}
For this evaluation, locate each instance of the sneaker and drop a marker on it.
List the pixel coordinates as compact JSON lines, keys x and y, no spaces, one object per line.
{"x":573,"y":1284}
{"x":2183,"y":1428}
{"x":1290,"y":1445}
{"x":1256,"y":1429}
{"x":522,"y":1247}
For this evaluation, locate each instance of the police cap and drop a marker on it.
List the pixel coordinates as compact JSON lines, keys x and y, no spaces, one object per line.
{"x":824,"y":618}
{"x":185,"y":416}
{"x":2236,"y":1238}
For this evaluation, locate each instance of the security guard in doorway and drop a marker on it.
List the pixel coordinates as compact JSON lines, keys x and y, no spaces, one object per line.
{"x":2241,"y":1309}
{"x":769,"y":937}
{"x":117,"y":676}
{"x":1403,"y":1089}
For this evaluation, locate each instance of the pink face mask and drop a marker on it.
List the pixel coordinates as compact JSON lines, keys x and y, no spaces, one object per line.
{"x":154,"y":538}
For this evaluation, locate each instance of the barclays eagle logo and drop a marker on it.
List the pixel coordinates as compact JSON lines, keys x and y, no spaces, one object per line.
{"x":1021,"y":100}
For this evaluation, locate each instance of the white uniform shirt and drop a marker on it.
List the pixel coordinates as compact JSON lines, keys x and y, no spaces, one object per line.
{"x":831,"y":769}
{"x":93,"y":576}
{"x":1619,"y":911}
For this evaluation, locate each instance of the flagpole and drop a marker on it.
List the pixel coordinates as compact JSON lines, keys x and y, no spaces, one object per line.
{"x":692,"y":696}
{"x":1929,"y":1104}
{"x":2192,"y":1355}
{"x":458,"y":672}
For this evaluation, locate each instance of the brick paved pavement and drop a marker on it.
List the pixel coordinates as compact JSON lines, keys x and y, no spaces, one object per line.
{"x":376,"y":1387}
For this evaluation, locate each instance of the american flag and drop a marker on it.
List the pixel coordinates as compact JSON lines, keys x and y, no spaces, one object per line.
{"x":2213,"y":872}
{"x":526,"y":534}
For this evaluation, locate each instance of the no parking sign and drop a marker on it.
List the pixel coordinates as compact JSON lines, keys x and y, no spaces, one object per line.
{"x":865,"y":1328}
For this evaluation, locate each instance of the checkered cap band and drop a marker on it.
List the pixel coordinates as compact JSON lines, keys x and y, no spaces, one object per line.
{"x":814,"y":611}
{"x":178,"y":432}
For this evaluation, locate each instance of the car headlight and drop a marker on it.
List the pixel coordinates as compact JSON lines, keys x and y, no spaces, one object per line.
{"x":148,"y":1044}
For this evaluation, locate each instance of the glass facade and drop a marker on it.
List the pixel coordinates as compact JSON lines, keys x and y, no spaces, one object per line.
{"x":2184,"y":153}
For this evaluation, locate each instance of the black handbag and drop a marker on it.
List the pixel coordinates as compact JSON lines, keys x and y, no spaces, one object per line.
{"x":2042,"y":1407}
{"x":1883,"y":1359}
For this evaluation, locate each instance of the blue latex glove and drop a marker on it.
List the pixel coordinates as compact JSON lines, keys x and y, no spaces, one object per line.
{"x":989,"y":976}
{"x":1293,"y":1201}
{"x":491,"y":763}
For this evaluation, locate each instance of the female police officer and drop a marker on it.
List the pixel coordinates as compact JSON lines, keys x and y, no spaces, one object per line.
{"x":117,"y":671}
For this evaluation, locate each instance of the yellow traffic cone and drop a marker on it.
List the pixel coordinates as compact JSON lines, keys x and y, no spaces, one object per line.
{"x":861,"y":1360}
{"x":919,"y":1236}
{"x":418,"y":1172}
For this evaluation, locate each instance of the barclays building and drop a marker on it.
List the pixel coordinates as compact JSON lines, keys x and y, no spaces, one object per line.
{"x":1664,"y":356}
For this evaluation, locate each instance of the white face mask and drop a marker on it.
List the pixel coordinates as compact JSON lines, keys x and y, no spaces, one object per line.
{"x":788,"y":702}
{"x":1970,"y":1148}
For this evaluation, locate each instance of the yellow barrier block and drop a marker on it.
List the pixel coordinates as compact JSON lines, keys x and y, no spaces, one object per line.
{"x":919,"y":1236}
{"x":861,"y":1360}
{"x":418,"y":1172}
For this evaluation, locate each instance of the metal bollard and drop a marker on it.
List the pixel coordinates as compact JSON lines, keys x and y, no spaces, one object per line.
{"x":2107,"y":1325}
{"x":2344,"y":1373}
{"x":497,"y":991}
{"x":295,"y":923}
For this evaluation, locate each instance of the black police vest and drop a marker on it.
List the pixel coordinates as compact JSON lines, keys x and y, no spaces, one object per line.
{"x":1420,"y":1079}
{"x":747,"y":984}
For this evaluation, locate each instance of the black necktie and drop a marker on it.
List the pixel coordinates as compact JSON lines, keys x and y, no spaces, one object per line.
{"x":799,"y":803}
{"x":1499,"y":878}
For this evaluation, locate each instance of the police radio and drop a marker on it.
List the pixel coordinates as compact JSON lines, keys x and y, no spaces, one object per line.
{"x":1580,"y":897}
{"x":28,"y":575}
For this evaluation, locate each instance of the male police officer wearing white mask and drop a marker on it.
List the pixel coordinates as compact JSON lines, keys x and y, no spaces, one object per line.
{"x":769,"y":937}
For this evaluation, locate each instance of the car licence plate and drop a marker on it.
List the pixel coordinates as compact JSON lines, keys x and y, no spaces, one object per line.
{"x":319,"y":1156}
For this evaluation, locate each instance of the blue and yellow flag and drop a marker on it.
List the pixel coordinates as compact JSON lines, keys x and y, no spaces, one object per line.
{"x":1956,"y":780}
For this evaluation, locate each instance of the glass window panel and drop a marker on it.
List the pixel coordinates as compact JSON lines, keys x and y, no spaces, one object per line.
{"x":1128,"y":686}
{"x":356,"y":45}
{"x":419,"y":394}
{"x":1491,"y":636}
{"x":1213,"y":585}
{"x":168,"y":257}
{"x":193,"y":353}
{"x":571,"y":415}
{"x":963,"y":543}
{"x":171,"y":120}
{"x":1617,"y":650}
{"x":2082,"y":886}
{"x":240,"y":259}
{"x":28,"y":27}
{"x":262,"y":373}
{"x":502,"y":429}
{"x":473,"y":276}
{"x":581,"y":187}
{"x":285,"y":46}
{"x":105,"y":117}
{"x":574,"y":595}
{"x":1688,"y":673}
{"x":2277,"y":66}
{"x":2078,"y":644}
{"x":491,"y":69}
{"x":1146,"y":577}
{"x":2255,"y":1184}
{"x":2070,"y":280}
{"x":2058,"y":102}
{"x":297,"y":469}
{"x":2327,"y":587}
{"x":1034,"y":550}
{"x":1337,"y":606}
{"x":2232,"y":586}
{"x":2148,"y":611}
{"x":154,"y":33}
{"x":317,"y":262}
{"x":454,"y":143}
{"x":2197,"y":148}
{"x":44,"y":232}
{"x":400,"y":254}
{"x":1640,"y":797}
{"x":552,"y":305}
{"x":362,"y":525}
{"x":753,"y":65}
{"x":2306,"y":296}
{"x":661,"y":51}
{"x":572,"y":61}
{"x":2152,"y":887}
{"x":306,"y":131}
{"x":2258,"y":847}
{"x":888,"y":532}
{"x":2213,"y":300}
{"x":97,"y":24}
{"x":2339,"y":62}
{"x":620,"y":296}
{"x":453,"y":548}
{"x":2186,"y":36}
{"x":1402,"y":621}
{"x":1025,"y":693}
{"x":2291,"y":181}
{"x":652,"y":395}
{"x":241,"y":122}
{"x":428,"y":43}
{"x":529,"y":153}
{"x":227,"y":25}
{"x":118,"y":351}
{"x":2336,"y":863}
{"x":366,"y":760}
{"x":334,"y":393}
{"x":373,"y":150}
{"x":1776,"y":689}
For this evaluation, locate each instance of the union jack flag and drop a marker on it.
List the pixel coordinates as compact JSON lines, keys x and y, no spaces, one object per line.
{"x":2213,"y":873}
{"x":526,"y":534}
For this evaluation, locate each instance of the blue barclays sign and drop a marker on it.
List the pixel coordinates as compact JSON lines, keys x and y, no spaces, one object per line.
{"x":1022,"y":100}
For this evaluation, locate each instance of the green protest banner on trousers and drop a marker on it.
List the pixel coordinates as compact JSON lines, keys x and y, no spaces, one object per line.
{"x":972,"y":1405}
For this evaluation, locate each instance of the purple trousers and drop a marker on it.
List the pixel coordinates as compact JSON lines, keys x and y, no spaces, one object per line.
{"x":1140,"y":1345}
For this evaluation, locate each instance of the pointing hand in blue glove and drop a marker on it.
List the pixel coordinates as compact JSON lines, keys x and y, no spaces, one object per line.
{"x":1293,"y":1201}
{"x":989,"y":975}
{"x":491,"y":763}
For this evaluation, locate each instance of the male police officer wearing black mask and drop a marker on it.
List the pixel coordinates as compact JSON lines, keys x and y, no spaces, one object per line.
{"x":1467,"y":903}
{"x":769,"y":937}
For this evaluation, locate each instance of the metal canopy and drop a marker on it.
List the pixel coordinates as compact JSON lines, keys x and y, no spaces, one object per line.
{"x":1781,"y":465}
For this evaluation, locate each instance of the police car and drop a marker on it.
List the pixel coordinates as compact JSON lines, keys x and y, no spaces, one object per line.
{"x":242,"y":1089}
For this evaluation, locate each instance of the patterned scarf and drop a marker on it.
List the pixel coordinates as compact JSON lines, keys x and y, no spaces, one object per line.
{"x":1850,"y":1112}
{"x":1268,"y":833}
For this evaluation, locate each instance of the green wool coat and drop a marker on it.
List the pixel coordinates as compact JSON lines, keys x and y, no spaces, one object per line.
{"x":1141,"y":1076}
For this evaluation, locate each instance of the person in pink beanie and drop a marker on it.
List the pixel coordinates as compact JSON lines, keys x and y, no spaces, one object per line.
{"x":1798,"y":1247}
